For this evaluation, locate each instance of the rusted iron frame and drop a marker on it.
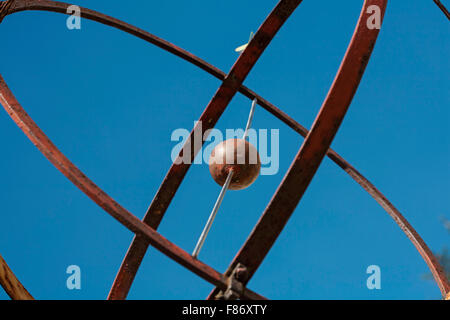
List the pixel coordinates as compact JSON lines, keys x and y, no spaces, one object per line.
{"x":215,"y":108}
{"x":423,"y":249}
{"x":63,"y":164}
{"x":313,"y":149}
{"x":219,"y":102}
{"x":433,"y":264}
{"x":11,"y":284}
{"x":443,"y":8}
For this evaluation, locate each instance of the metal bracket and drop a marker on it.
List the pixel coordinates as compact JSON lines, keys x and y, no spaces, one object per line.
{"x":235,"y":284}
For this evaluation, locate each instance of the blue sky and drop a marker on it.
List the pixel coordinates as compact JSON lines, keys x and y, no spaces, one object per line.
{"x":110,"y":102}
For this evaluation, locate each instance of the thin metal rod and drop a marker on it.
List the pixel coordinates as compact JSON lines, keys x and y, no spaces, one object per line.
{"x":250,"y":118}
{"x":212,"y":216}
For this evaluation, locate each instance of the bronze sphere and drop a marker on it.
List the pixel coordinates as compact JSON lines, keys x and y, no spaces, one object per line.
{"x":238,"y":155}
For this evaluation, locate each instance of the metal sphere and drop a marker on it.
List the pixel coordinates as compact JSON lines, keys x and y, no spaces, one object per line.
{"x":238,"y":155}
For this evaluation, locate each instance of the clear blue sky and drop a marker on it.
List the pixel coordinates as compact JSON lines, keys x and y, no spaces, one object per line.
{"x":110,"y":102}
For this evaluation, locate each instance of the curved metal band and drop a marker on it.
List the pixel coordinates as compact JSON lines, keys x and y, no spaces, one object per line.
{"x":311,"y":154}
{"x":313,"y":150}
{"x":423,"y":249}
{"x":11,"y":284}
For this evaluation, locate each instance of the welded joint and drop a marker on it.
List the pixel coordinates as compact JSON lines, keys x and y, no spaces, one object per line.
{"x":235,"y":281}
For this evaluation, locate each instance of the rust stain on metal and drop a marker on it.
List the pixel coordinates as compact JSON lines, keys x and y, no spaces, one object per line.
{"x":11,"y":284}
